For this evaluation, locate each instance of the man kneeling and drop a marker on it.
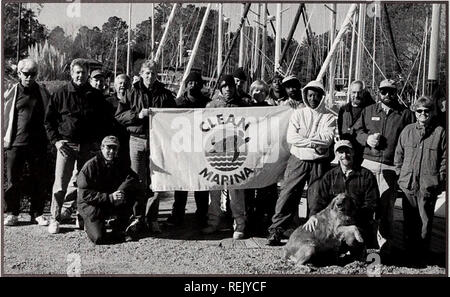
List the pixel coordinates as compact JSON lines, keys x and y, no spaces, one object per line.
{"x":108,"y":190}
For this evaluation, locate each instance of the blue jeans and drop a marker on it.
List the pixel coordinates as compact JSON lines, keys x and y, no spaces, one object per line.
{"x":140,"y":163}
{"x":297,"y":173}
{"x":66,"y":172}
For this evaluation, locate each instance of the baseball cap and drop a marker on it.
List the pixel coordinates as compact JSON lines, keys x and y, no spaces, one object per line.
{"x":111,"y":140}
{"x":387,"y":83}
{"x":97,"y":72}
{"x":342,"y":143}
{"x":290,"y":78}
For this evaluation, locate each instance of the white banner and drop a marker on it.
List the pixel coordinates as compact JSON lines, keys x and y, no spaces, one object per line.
{"x":217,"y":148}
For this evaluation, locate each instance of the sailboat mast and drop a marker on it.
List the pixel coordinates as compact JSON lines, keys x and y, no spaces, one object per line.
{"x":264,"y":40}
{"x":241,"y":41}
{"x":361,"y":31}
{"x":291,"y":32}
{"x":338,"y":38}
{"x":425,"y":56}
{"x":194,"y":50}
{"x":433,"y":61}
{"x":278,"y":37}
{"x":164,"y":37}
{"x":115,"y":54}
{"x":129,"y":39}
{"x":152,"y":9}
{"x":220,"y":39}
{"x":350,"y":67}
{"x":333,"y":59}
{"x":374,"y":44}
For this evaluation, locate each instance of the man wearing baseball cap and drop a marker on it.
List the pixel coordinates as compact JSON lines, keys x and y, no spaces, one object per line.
{"x":191,"y":98}
{"x":294,"y":92}
{"x":107,"y":188}
{"x":377,"y":131}
{"x":277,"y":94}
{"x":97,"y":79}
{"x":357,"y":182}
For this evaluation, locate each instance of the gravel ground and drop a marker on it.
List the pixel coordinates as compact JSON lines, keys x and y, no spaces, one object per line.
{"x":30,"y":249}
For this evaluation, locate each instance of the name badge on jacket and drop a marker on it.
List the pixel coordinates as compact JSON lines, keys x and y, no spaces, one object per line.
{"x":375,"y":118}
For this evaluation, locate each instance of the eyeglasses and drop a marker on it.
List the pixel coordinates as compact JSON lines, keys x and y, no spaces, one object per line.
{"x":423,"y":110}
{"x":29,"y":73}
{"x":385,"y":92}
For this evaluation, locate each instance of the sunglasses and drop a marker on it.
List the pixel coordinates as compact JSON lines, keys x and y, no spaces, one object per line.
{"x":423,"y":110}
{"x":385,"y":92}
{"x":28,"y":73}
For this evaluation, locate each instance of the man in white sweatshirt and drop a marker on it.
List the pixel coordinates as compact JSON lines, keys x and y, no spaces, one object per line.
{"x":310,"y":134}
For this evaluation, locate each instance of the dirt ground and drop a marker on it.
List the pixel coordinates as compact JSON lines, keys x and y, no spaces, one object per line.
{"x":30,"y":249}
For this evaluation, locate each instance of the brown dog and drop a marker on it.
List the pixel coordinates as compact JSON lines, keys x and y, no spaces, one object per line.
{"x":334,"y":226}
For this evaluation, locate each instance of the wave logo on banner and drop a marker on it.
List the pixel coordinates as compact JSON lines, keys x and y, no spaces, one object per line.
{"x":225,"y":149}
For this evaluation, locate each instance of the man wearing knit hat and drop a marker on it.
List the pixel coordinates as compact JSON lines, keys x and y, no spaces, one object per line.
{"x":191,"y":98}
{"x":227,"y":98}
{"x":228,"y":95}
{"x":241,"y":79}
{"x":357,"y":182}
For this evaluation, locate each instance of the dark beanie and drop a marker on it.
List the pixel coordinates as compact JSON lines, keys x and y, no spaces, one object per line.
{"x":239,"y":73}
{"x":227,"y":80}
{"x":194,"y":76}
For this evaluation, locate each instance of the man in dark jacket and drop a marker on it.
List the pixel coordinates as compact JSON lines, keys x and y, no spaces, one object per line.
{"x":121,"y":86}
{"x":350,"y":113}
{"x":133,"y":113}
{"x":377,"y":131}
{"x":357,"y":182}
{"x":25,"y":141}
{"x":421,"y":165}
{"x":107,"y":189}
{"x":191,"y":98}
{"x":75,"y":122}
{"x":227,"y":98}
{"x":240,"y":79}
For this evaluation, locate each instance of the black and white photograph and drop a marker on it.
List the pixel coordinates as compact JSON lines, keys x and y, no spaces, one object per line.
{"x":224,"y":139}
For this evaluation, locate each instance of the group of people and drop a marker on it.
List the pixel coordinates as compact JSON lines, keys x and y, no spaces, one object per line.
{"x":102,"y":169}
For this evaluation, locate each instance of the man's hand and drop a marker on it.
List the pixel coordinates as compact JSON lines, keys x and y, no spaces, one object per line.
{"x":63,"y":148}
{"x":373,"y":140}
{"x":311,"y":224}
{"x":293,"y":104}
{"x":143,"y":113}
{"x":118,"y":197}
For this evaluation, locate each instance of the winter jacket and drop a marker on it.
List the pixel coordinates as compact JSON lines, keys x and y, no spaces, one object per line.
{"x":310,"y":131}
{"x":77,"y":114}
{"x":220,"y":101}
{"x":347,"y":120}
{"x":361,"y":185}
{"x":420,"y":159}
{"x":184,"y":102}
{"x":374,"y":120}
{"x":97,"y":181}
{"x":10,"y":116}
{"x":140,"y":97}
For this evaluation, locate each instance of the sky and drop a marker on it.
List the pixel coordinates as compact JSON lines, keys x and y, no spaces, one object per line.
{"x":66,"y":15}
